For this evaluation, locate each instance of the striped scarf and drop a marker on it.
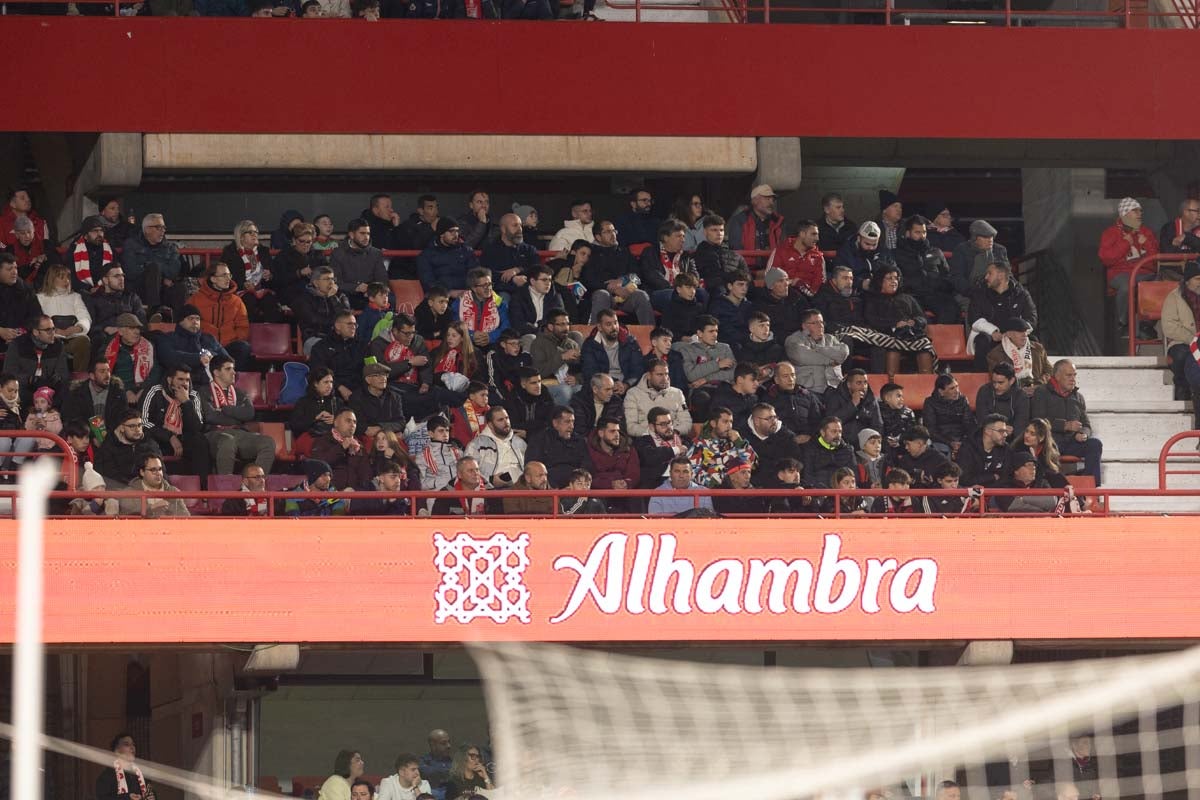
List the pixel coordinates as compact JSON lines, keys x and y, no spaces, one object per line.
{"x":222,"y":397}
{"x":83,"y":260}
{"x":123,"y":784}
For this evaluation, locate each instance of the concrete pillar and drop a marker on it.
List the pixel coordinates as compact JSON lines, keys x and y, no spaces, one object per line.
{"x":779,"y":163}
{"x":114,"y":166}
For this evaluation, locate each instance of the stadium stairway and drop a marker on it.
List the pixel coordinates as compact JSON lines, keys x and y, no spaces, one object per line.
{"x":1132,"y":411}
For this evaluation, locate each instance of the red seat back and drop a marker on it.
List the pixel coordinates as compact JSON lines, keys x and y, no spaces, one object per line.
{"x":949,"y":342}
{"x":408,"y":294}
{"x":252,"y":384}
{"x":271,"y":340}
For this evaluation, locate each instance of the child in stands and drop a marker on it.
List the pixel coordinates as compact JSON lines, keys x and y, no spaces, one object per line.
{"x":379,"y":308}
{"x":897,"y":417}
{"x":432,"y":314}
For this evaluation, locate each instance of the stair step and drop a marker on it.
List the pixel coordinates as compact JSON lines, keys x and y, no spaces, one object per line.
{"x":1144,"y":475}
{"x":1113,"y":362}
{"x":1149,"y":382}
{"x":1136,"y":435}
{"x":1125,"y":405}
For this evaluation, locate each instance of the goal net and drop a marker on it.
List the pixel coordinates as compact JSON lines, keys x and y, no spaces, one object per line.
{"x":586,"y":725}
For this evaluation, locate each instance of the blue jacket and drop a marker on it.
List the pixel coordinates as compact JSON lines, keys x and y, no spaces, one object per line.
{"x":498,"y":257}
{"x":445,"y":266}
{"x":678,"y":504}
{"x":494,"y":333}
{"x":138,"y":253}
{"x":733,"y":321}
{"x":182,"y":348}
{"x":629,"y":352}
{"x":861,"y":262}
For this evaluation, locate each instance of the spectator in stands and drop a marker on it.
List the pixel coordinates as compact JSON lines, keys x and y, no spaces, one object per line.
{"x":153,"y":266}
{"x":389,"y":447}
{"x":897,"y":315}
{"x":435,"y":765}
{"x":559,"y":447}
{"x":1037,"y":439}
{"x":798,"y":409}
{"x":117,"y":227}
{"x":1026,"y":357}
{"x":599,"y":400}
{"x":422,"y":226}
{"x":318,"y":477}
{"x":189,"y":347}
{"x":615,"y":462}
{"x":853,"y":402}
{"x":783,"y":303}
{"x":469,"y":418}
{"x":226,"y":410}
{"x":1000,"y":299}
{"x":757,"y":227}
{"x":446,"y":261}
{"x":455,"y":365}
{"x":947,"y":477}
{"x":556,"y":354}
{"x":761,"y":347}
{"x":714,"y":259}
{"x":358,"y":264}
{"x":611,"y":349}
{"x":254,"y":485}
{"x":130,"y":356}
{"x":835,"y":228}
{"x":378,"y":309}
{"x":43,"y":416}
{"x":293,"y":267}
{"x":18,"y":303}
{"x":252,"y":272}
{"x":173,"y":417}
{"x":817,"y":355}
{"x":343,"y":352}
{"x":20,"y":206}
{"x":476,"y":223}
{"x":91,"y":256}
{"x":770,"y":440}
{"x":984,"y":455}
{"x":223,"y":314}
{"x":718,"y":445}
{"x":37,"y":359}
{"x":1180,"y":311}
{"x":971,"y":259}
{"x":948,"y":415}
{"x":1121,"y":245}
{"x":438,"y":462}
{"x":467,"y":772}
{"x":289,"y":221}
{"x":343,"y":451}
{"x":1182,"y":234}
{"x":897,"y":480}
{"x":639,"y":225}
{"x":11,"y":420}
{"x":737,"y":483}
{"x":70,"y":315}
{"x":825,"y":454}
{"x":926,"y":271}
{"x":406,"y":783}
{"x":658,"y":447}
{"x":30,"y":251}
{"x":653,"y":391}
{"x":533,"y":478}
{"x":839,"y":301}
{"x":800,"y":257}
{"x":891,"y":211}
{"x":918,"y":459}
{"x":529,"y":221}
{"x":432,"y":314}
{"x":533,"y":302}
{"x":863,"y":255}
{"x":498,"y":450}
{"x":1022,"y":474}
{"x":389,"y":477}
{"x":679,"y":479}
{"x":121,"y":452}
{"x":314,"y":412}
{"x":529,"y":407}
{"x":110,"y":300}
{"x":482,"y":312}
{"x":611,"y":278}
{"x":739,"y":395}
{"x":504,"y":364}
{"x":510,"y":258}
{"x":579,"y":226}
{"x":941,"y":233}
{"x":732,"y":311}
{"x":1001,"y":395}
{"x":897,"y":417}
{"x":689,"y":209}
{"x":568,"y":273}
{"x":97,"y":401}
{"x":706,"y":361}
{"x":871,"y":459}
{"x":663,"y":260}
{"x":318,"y":307}
{"x":684,"y":307}
{"x":382,"y":220}
{"x":152,"y":478}
{"x":378,"y":405}
{"x":1061,"y":402}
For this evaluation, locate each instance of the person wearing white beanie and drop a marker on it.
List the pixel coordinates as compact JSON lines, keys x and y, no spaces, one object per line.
{"x":1121,"y":245}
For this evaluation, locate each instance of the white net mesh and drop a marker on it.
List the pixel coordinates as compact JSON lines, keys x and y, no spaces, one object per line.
{"x":588,"y":724}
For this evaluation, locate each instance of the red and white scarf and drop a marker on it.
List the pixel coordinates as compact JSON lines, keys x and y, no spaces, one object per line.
{"x":479,"y":318}
{"x":354,"y":444}
{"x":143,"y":358}
{"x":123,"y":785}
{"x":255,"y":506}
{"x":83,"y":260}
{"x":670,"y":264}
{"x":673,"y":442}
{"x":400,"y":352}
{"x":222,"y":397}
{"x":475,"y":416}
{"x":1020,"y":357}
{"x":450,"y":362}
{"x":173,"y":416}
{"x":471,"y":505}
{"x":254,"y":268}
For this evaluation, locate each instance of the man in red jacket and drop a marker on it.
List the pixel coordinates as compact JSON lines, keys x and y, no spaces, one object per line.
{"x":20,"y":205}
{"x":757,"y":227}
{"x":801,"y":258}
{"x":1121,"y":245}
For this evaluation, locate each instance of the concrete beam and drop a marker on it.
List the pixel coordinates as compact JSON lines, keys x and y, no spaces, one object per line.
{"x":422,"y":153}
{"x":114,"y":166}
{"x":779,"y":163}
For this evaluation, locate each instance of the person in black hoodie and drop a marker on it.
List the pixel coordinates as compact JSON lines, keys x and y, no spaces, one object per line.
{"x":18,"y":303}
{"x":122,"y":450}
{"x":383,"y":220}
{"x":917,"y":458}
{"x":799,"y":410}
{"x":897,"y":417}
{"x":432,"y":314}
{"x":947,"y":415}
{"x":761,"y":348}
{"x":173,"y":417}
{"x":505,"y":365}
{"x":416,"y":232}
{"x":771,"y":441}
{"x":740,"y":396}
{"x":314,"y":412}
{"x":529,"y":406}
{"x":984,"y":455}
{"x":784,"y":475}
{"x":560,"y":448}
{"x":684,"y":308}
{"x":896,"y":313}
{"x":926,"y":271}
{"x":854,"y":404}
{"x":714,"y":259}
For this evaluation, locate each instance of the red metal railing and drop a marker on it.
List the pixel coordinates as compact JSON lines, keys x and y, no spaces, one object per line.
{"x":1139,"y":266}
{"x":1167,"y":453}
{"x":67,"y":462}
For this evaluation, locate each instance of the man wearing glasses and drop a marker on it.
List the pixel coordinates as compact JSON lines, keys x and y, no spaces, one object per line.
{"x":534,"y":303}
{"x":37,"y":359}
{"x":446,"y":260}
{"x":152,"y":478}
{"x":483,"y":311}
{"x":118,"y":459}
{"x":317,"y":306}
{"x":343,"y":352}
{"x":404,"y":352}
{"x":153,"y":266}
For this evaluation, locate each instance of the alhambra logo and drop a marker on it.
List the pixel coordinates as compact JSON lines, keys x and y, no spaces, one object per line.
{"x":484,"y":579}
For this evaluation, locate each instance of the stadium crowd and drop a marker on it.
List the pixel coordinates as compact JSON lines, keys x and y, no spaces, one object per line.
{"x":737,"y":373}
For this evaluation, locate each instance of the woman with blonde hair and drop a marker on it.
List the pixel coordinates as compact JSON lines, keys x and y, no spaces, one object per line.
{"x":467,"y":772}
{"x":454,"y":364}
{"x":250,"y":266}
{"x":66,"y":308}
{"x":348,"y":766}
{"x":1037,"y":440}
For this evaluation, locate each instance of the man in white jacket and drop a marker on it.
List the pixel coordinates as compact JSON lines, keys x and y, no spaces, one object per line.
{"x":499,"y":451}
{"x":579,"y":226}
{"x":406,"y":783}
{"x":655,"y":389}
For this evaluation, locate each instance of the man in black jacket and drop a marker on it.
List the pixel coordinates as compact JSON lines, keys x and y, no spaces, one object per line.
{"x":999,"y":299}
{"x":984,"y":456}
{"x":772,"y":442}
{"x":608,"y":275}
{"x":37,"y":359}
{"x":118,"y":458}
{"x":343,"y":352}
{"x":560,"y":448}
{"x":378,"y":403}
{"x":511,"y":259}
{"x":715,"y":261}
{"x":659,"y":447}
{"x":1002,"y":396}
{"x":839,"y":301}
{"x":100,"y":397}
{"x":18,"y":304}
{"x":317,"y":305}
{"x":110,"y":300}
{"x":799,"y":410}
{"x":529,"y":405}
{"x":926,"y":271}
{"x":597,"y":399}
{"x":173,"y":417}
{"x":740,"y":396}
{"x":834,"y":228}
{"x":854,"y":404}
{"x":226,"y":410}
{"x":825,"y":454}
{"x":917,"y":458}
{"x":947,"y":415}
{"x":534,"y":302}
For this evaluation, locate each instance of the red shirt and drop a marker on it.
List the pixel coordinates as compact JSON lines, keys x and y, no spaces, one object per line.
{"x":805,"y":270}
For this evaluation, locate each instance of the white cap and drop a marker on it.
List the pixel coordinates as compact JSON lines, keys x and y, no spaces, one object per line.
{"x":762,"y":190}
{"x":869,"y":230}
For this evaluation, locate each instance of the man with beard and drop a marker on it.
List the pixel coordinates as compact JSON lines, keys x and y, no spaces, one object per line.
{"x":91,"y":256}
{"x":614,"y":462}
{"x":560,"y":448}
{"x":771,"y":441}
{"x":510,"y":258}
{"x":840,"y":303}
{"x":110,"y":300}
{"x":658,"y":447}
{"x":174,"y":418}
{"x":37,"y":359}
{"x":926,"y":272}
{"x":358,"y":264}
{"x":118,"y":458}
{"x":992,"y":304}
{"x":97,"y":401}
{"x":189,"y":347}
{"x":498,"y":450}
{"x":152,"y":478}
{"x":801,"y":258}
{"x":639,"y":225}
{"x":835,"y":227}
{"x":862,"y":254}
{"x":18,"y":304}
{"x":556,"y":354}
{"x":825,"y":454}
{"x":476,"y":225}
{"x":612,"y":350}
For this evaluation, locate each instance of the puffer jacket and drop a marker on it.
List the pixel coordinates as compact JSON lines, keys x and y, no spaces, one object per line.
{"x":948,"y":420}
{"x":716,"y":263}
{"x":315,"y":312}
{"x":182,"y":348}
{"x":222,"y":313}
{"x":923,"y":266}
{"x":445,"y":266}
{"x":138,"y":253}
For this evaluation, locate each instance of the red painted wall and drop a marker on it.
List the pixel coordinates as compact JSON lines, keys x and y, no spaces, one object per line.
{"x":615,"y":78}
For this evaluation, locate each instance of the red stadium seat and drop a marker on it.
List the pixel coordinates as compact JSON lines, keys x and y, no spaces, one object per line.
{"x":969,"y":383}
{"x":1150,"y":297}
{"x":949,"y":342}
{"x":635,"y":250}
{"x":916,"y":389}
{"x":408,"y":294}
{"x":221,"y":483}
{"x":190,"y":484}
{"x":269,"y":783}
{"x":876,"y":382}
{"x":276,"y":430}
{"x":252,"y":384}
{"x":161,"y":327}
{"x":271,"y":341}
{"x":273,"y":385}
{"x":642,"y":334}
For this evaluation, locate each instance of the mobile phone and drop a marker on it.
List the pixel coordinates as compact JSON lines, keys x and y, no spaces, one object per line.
{"x":504,"y":476}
